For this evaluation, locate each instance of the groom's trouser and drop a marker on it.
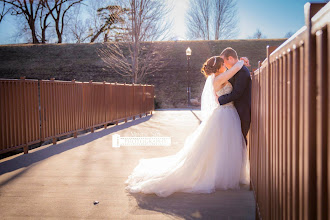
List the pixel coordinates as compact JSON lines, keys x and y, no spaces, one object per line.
{"x":245,"y":125}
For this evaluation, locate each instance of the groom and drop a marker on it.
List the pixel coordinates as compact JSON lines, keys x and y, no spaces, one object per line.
{"x":241,"y":93}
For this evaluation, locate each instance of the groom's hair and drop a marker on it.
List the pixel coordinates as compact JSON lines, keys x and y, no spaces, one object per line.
{"x":229,"y":52}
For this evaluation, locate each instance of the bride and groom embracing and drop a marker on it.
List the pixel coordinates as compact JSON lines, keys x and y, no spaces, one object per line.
{"x":215,"y":155}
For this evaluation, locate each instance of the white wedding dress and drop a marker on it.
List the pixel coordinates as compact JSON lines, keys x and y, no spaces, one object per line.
{"x":213,"y":157}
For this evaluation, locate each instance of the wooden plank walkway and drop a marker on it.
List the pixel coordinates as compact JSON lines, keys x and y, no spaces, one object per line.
{"x":63,"y":181}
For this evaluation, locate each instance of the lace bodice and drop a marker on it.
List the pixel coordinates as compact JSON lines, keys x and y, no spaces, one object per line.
{"x":226,"y":90}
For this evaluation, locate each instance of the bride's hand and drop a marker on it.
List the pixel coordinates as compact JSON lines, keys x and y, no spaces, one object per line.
{"x":246,"y":61}
{"x":240,"y":64}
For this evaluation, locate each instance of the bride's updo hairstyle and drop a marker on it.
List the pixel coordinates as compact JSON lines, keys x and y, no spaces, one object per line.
{"x":212,"y":65}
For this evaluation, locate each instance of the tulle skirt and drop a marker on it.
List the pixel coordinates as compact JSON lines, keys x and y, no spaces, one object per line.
{"x":213,"y":157}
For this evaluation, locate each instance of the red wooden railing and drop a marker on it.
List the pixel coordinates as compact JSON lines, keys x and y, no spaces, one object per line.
{"x":289,"y":137}
{"x":30,"y":115}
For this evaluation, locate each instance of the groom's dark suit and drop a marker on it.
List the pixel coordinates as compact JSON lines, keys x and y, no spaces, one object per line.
{"x":241,"y":95}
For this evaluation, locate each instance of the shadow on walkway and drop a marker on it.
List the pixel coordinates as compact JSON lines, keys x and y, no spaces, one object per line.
{"x":25,"y":160}
{"x":220,"y":204}
{"x":63,"y":181}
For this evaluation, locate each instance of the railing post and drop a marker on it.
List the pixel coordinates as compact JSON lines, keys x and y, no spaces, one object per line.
{"x":75,"y":133}
{"x":145,"y":99}
{"x":268,"y":120}
{"x":25,"y":125}
{"x":259,"y":137}
{"x":116,"y":101}
{"x":125,"y":89}
{"x":310,"y":119}
{"x":269,"y":134}
{"x":104,"y":105}
{"x":91,"y":114}
{"x":257,"y":159}
{"x":52,"y":110}
{"x":322,"y":130}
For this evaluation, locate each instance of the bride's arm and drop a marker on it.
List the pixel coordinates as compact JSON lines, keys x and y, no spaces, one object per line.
{"x":225,"y":76}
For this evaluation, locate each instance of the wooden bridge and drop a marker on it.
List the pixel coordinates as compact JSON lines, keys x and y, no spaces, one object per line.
{"x":63,"y":181}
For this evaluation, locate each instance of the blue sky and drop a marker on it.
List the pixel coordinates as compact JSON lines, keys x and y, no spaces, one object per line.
{"x":274,"y":18}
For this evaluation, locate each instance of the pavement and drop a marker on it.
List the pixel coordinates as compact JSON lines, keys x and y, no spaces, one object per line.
{"x":62,"y":181}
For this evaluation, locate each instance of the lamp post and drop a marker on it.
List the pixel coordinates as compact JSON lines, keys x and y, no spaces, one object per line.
{"x":188,"y":53}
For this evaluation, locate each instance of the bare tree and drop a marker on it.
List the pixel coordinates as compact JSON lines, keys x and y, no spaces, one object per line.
{"x":211,"y":19}
{"x":133,"y":57}
{"x":58,"y":10}
{"x":94,"y":21}
{"x":3,"y":11}
{"x":100,"y":21}
{"x":257,"y":35}
{"x":79,"y":29}
{"x":29,"y":10}
{"x":225,"y":19}
{"x":119,"y":57}
{"x":87,"y":22}
{"x":110,"y":15}
{"x":199,"y":19}
{"x":37,"y":14}
{"x":289,"y":34}
{"x":44,"y":23}
{"x":78,"y":26}
{"x":22,"y":31}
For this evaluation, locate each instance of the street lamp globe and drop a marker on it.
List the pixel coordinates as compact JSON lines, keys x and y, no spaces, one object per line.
{"x":188,"y":51}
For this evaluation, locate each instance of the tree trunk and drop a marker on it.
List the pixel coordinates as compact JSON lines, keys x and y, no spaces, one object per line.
{"x":43,"y":36}
{"x":98,"y":34}
{"x":58,"y":32}
{"x":34,"y":37}
{"x":217,"y":30}
{"x":136,"y":50}
{"x":60,"y":39}
{"x":43,"y":29}
{"x":106,"y":36}
{"x":33,"y":31}
{"x":135,"y":63}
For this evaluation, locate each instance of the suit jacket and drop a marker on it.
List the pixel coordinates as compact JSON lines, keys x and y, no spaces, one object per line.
{"x":241,"y":95}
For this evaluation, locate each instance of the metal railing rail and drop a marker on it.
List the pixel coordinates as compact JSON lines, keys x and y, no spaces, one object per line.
{"x":30,"y":115}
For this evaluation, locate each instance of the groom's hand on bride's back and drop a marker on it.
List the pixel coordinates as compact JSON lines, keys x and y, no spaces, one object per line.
{"x":246,"y":61}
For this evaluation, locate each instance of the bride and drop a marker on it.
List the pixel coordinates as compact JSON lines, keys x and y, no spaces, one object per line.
{"x":213,"y":157}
